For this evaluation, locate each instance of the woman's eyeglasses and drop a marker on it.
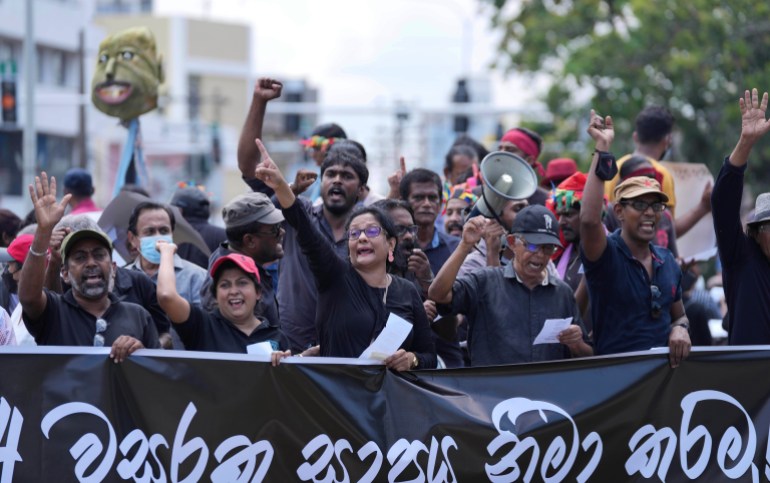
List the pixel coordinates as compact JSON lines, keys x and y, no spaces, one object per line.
{"x":369,"y":231}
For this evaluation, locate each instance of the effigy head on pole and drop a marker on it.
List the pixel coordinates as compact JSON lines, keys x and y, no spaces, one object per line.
{"x":127,"y":75}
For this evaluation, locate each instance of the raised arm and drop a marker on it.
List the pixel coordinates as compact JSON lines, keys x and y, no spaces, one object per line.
{"x":753,"y":126}
{"x":441,"y":289}
{"x":592,"y":236}
{"x":48,"y":213}
{"x":265,"y":90}
{"x":323,"y":261}
{"x":728,"y":189}
{"x":175,"y":306}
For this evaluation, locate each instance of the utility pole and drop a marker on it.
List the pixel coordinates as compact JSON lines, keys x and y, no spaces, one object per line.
{"x":30,"y":77}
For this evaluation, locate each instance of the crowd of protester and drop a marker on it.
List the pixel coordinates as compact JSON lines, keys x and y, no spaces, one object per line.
{"x":316,"y":267}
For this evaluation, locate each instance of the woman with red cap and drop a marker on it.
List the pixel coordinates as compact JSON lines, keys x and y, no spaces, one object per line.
{"x":232,"y":325}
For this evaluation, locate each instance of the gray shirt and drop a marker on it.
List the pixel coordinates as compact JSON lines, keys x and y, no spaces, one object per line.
{"x":504,"y":316}
{"x":189,"y":278}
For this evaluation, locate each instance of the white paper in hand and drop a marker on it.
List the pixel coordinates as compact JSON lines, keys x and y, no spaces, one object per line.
{"x":550,"y":332}
{"x":262,"y":348}
{"x":390,"y":339}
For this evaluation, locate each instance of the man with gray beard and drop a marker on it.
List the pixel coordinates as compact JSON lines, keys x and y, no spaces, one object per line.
{"x":87,"y":314}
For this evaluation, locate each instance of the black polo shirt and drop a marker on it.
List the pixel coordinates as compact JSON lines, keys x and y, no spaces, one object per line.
{"x":136,"y":287}
{"x":211,"y":332}
{"x":65,"y":322}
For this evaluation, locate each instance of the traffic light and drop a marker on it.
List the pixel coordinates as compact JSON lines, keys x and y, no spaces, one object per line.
{"x":8,"y":91}
{"x":461,"y":96}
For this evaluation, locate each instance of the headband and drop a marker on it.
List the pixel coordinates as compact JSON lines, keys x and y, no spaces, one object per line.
{"x":523,"y":142}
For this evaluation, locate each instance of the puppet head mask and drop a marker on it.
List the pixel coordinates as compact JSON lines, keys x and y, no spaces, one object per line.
{"x":128,"y":73}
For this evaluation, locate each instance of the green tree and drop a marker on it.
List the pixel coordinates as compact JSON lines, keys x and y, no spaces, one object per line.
{"x":696,"y":57}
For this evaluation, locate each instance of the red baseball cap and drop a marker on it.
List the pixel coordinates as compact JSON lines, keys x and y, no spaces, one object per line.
{"x":19,"y":247}
{"x":242,"y":261}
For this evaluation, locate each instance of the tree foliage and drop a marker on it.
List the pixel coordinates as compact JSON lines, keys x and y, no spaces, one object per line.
{"x":696,"y":57}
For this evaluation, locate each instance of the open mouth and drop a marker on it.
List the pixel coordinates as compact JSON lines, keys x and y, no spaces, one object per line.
{"x":535,"y":266}
{"x":113,"y":92}
{"x":335,"y":194}
{"x":648,"y":226}
{"x":235,"y":303}
{"x":364,"y":251}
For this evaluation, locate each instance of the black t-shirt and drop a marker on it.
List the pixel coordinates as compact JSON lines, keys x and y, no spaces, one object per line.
{"x":211,"y":332}
{"x":136,"y":287}
{"x":350,"y":313}
{"x":65,"y":322}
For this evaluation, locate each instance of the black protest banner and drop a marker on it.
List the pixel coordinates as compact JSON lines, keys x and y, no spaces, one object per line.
{"x":74,"y":415}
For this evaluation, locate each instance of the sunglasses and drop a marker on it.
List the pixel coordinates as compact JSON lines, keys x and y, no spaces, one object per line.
{"x":274,"y":232}
{"x":369,"y":231}
{"x":101,"y":326}
{"x":402,"y":230}
{"x":641,"y":206}
{"x":547,"y":249}
{"x":655,"y":308}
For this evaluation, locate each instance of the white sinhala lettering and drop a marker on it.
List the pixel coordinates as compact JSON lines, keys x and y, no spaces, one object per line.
{"x":10,"y":427}
{"x":647,"y":455}
{"x":444,"y":473}
{"x":86,"y":450}
{"x":129,"y":469}
{"x":557,"y":456}
{"x":730,"y":445}
{"x":181,"y":450}
{"x":310,"y":471}
{"x":367,"y":450}
{"x":323,"y":470}
{"x":242,"y":467}
{"x":401,"y":455}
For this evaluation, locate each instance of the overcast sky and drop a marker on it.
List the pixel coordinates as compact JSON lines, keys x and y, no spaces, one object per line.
{"x":366,"y":52}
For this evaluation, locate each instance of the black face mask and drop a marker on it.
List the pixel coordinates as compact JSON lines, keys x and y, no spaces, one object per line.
{"x":400,"y":263}
{"x":8,"y":280}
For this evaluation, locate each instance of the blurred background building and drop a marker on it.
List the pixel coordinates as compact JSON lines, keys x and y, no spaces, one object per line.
{"x":209,"y":70}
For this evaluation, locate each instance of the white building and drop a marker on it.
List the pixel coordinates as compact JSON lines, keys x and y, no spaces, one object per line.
{"x":61,"y":33}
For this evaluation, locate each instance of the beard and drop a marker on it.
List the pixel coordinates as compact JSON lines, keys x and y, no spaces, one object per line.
{"x":452,"y":226}
{"x":93,"y":291}
{"x":342,"y":206}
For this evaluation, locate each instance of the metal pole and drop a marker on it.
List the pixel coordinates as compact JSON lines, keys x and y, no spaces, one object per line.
{"x":30,"y":78}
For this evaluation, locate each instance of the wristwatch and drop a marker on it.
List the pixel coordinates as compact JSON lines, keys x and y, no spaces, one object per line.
{"x":415,"y":361}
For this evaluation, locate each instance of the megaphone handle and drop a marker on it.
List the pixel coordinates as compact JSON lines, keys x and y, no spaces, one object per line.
{"x":494,"y":213}
{"x":476,"y":212}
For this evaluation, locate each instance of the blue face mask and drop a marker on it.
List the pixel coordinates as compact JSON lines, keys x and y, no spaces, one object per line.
{"x":148,"y":250}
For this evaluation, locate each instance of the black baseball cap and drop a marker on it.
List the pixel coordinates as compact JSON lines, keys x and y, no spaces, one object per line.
{"x":537,"y":225}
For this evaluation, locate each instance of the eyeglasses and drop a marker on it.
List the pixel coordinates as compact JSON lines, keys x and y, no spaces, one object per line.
{"x":655,"y":308}
{"x":547,"y":249}
{"x":370,"y":232}
{"x":641,"y":206}
{"x":402,"y":230}
{"x":764,"y":228}
{"x":101,"y":326}
{"x":274,"y":232}
{"x":433,"y":199}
